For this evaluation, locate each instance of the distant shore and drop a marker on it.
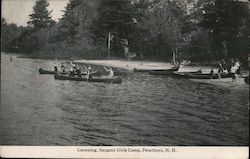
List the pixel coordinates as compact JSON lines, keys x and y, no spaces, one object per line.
{"x":126,"y":64}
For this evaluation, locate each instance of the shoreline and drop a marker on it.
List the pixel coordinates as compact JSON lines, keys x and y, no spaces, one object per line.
{"x":129,"y":65}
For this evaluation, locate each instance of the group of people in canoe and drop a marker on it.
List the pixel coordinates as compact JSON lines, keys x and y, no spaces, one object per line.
{"x":233,"y":67}
{"x":75,"y":70}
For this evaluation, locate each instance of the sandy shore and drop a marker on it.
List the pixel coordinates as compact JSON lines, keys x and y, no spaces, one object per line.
{"x":130,"y":65}
{"x":127,"y":65}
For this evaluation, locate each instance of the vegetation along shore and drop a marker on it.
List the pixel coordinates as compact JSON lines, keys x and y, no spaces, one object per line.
{"x":201,"y":31}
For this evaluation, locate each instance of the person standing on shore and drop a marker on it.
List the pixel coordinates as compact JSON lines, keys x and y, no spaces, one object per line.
{"x":233,"y":70}
{"x":238,"y":65}
{"x":230,"y":64}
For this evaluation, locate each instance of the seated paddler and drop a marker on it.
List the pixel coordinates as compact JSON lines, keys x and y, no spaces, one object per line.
{"x":110,"y":71}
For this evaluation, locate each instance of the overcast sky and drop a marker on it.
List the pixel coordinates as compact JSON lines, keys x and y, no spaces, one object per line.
{"x":17,"y":11}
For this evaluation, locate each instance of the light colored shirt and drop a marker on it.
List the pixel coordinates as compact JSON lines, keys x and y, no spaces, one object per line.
{"x":111,"y":73}
{"x":233,"y":69}
{"x":237,"y":64}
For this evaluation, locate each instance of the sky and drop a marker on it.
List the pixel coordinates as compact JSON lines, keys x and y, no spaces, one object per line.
{"x":17,"y":11}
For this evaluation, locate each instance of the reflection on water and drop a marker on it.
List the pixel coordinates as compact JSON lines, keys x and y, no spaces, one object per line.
{"x":143,"y":110}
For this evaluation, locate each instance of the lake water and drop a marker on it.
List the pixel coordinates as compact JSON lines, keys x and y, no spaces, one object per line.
{"x":144,"y":110}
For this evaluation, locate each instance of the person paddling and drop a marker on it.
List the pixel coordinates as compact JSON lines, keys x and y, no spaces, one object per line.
{"x":110,"y":70}
{"x":78,"y":71}
{"x":62,"y":68}
{"x":55,"y":68}
{"x":88,"y":74}
{"x":72,"y":72}
{"x":73,"y":65}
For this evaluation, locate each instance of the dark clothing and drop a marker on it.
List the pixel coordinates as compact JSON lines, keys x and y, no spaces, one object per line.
{"x":233,"y":75}
{"x":79,"y":73}
{"x":229,"y":66}
{"x":72,"y":73}
{"x":211,"y":74}
{"x":224,"y":66}
{"x":55,"y":69}
{"x":63,"y":69}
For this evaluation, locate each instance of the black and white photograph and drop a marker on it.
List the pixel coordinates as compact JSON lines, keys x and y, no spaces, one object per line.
{"x":108,"y":73}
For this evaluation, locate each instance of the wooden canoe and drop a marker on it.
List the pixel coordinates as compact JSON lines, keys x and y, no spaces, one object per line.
{"x":104,"y":79}
{"x":167,"y":72}
{"x":191,"y":75}
{"x":152,"y":71}
{"x":43,"y":71}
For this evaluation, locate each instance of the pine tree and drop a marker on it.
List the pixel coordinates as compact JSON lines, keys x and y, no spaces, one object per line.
{"x":69,"y":23}
{"x":41,"y":17}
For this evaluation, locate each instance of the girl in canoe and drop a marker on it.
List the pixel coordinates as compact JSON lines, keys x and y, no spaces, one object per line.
{"x":78,"y":71}
{"x":55,"y":68}
{"x":110,"y":70}
{"x":88,"y":72}
{"x":62,"y":68}
{"x":73,"y":65}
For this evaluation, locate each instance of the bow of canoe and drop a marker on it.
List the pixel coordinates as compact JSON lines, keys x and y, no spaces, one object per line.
{"x":42,"y":71}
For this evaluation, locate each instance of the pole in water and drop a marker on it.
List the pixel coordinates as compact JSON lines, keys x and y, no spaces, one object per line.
{"x":10,"y":58}
{"x":109,"y":39}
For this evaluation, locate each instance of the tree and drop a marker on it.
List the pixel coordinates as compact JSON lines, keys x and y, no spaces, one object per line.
{"x":160,"y":28}
{"x":41,"y":17}
{"x":73,"y":27}
{"x":115,"y":17}
{"x":226,"y":21}
{"x":35,"y":36}
{"x":69,"y":23}
{"x":9,"y":32}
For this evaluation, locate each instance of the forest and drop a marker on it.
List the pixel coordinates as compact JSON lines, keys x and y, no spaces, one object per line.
{"x":195,"y":30}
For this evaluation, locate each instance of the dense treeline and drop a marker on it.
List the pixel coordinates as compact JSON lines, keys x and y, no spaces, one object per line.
{"x":206,"y":30}
{"x":9,"y":32}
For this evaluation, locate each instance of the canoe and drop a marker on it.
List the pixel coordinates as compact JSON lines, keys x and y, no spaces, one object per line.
{"x":42,"y":71}
{"x":200,"y":75}
{"x":120,"y":72}
{"x":246,"y":79}
{"x":152,"y":71}
{"x":167,"y":72}
{"x":104,"y":79}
